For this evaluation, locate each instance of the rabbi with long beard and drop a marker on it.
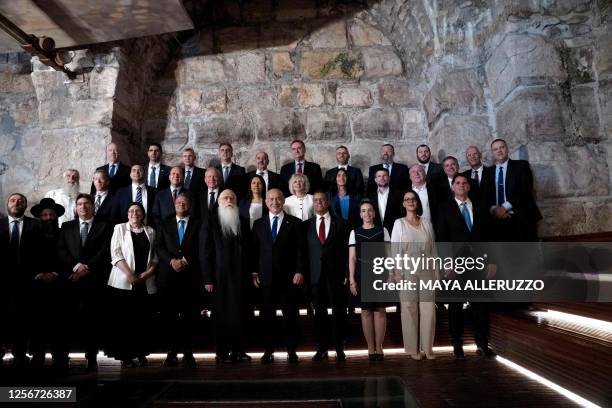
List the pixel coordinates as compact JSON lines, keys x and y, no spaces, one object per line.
{"x":226,"y":240}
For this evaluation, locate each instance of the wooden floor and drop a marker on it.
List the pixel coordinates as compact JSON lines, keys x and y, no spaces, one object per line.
{"x":444,"y":382}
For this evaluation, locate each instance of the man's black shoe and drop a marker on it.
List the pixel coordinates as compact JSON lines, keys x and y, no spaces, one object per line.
{"x":92,"y":365}
{"x":485,"y":351}
{"x":267,"y":357}
{"x":189,"y":361}
{"x":292,"y":357}
{"x":320,"y":355}
{"x":340,"y":355}
{"x":458,"y":352}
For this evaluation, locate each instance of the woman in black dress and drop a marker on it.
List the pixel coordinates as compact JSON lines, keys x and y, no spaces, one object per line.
{"x":373,"y":315}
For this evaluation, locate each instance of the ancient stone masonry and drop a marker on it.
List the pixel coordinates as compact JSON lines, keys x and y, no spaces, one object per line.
{"x":449,"y":73}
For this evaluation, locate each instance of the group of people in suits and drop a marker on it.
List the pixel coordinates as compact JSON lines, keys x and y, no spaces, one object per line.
{"x":150,"y":239}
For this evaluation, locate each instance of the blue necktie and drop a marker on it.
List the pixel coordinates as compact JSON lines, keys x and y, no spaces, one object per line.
{"x":152,"y":178}
{"x":181,"y":231}
{"x":466,"y":216}
{"x":139,"y":194}
{"x":111,"y":171}
{"x":225,"y":174}
{"x":500,"y":186}
{"x":274,"y":228}
{"x":187,"y":179}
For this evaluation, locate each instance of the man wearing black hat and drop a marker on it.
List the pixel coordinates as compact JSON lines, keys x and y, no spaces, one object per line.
{"x":48,"y":306}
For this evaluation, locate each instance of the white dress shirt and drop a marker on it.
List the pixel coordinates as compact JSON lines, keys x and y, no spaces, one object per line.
{"x":155,"y":166}
{"x":280,"y":216}
{"x":81,"y":221}
{"x":469,"y":207}
{"x":327,"y":220}
{"x":382,"y":202}
{"x":178,"y":219}
{"x":19,"y":225}
{"x":264,"y":175}
{"x":422,"y":193}
{"x":479,"y":171}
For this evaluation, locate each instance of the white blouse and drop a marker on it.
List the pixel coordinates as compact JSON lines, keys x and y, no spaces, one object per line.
{"x":255,"y":212}
{"x":299,"y":207}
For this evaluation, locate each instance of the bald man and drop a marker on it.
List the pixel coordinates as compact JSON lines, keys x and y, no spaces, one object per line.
{"x":118,"y":173}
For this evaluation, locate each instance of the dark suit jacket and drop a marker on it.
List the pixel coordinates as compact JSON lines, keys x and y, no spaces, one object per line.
{"x":236,"y":180}
{"x":434,"y":170}
{"x":197,"y":180}
{"x":330,"y":260}
{"x":444,"y":192}
{"x":354,"y":183}
{"x":105,"y":212}
{"x":476,"y":189}
{"x":393,"y":211}
{"x":168,"y":248}
{"x":311,"y":170}
{"x":21,"y":268}
{"x":399,"y":180}
{"x":122,"y":202}
{"x":519,"y":192}
{"x":163,"y":181}
{"x":163,"y":207}
{"x":353,"y":218}
{"x":277,"y":262}
{"x":95,"y":253}
{"x":274,"y":180}
{"x":120,"y":179}
{"x":200,"y":209}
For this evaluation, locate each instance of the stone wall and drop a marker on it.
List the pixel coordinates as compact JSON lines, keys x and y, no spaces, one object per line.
{"x":444,"y":72}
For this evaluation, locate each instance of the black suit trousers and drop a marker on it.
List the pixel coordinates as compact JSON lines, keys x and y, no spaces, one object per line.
{"x":480,"y":322}
{"x":272,"y":297}
{"x":324,"y":295}
{"x":85,"y":303}
{"x":180,"y":314}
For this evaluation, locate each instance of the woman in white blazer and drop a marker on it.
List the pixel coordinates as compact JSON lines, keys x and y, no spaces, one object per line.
{"x":132,"y":284}
{"x":299,"y":204}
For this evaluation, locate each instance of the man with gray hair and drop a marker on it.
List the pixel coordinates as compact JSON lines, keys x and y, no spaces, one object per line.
{"x":67,"y":194}
{"x":227,"y":241}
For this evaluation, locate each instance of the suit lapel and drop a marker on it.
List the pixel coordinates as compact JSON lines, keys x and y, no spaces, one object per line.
{"x":282,"y":231}
{"x":459,"y":216}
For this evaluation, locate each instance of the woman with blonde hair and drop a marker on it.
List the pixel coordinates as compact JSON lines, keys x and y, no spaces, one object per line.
{"x":299,"y":204}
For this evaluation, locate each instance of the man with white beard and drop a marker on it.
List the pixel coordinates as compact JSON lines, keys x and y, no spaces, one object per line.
{"x":66,"y":195}
{"x":226,"y":240}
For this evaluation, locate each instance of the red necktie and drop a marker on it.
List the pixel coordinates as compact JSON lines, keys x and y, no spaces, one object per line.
{"x":174,"y":196}
{"x":299,"y":171}
{"x":322,"y":230}
{"x":476,"y":177}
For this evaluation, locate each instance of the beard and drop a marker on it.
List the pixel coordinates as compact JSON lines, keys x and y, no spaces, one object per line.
{"x":229,"y":218}
{"x":71,"y":190}
{"x":422,"y":161}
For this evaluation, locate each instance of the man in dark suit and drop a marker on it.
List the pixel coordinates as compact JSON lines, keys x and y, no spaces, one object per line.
{"x":179,"y":280}
{"x":20,"y":245}
{"x":48,"y":291}
{"x":232,"y":175}
{"x":461,"y":221}
{"x":193,"y":176}
{"x":299,"y":165}
{"x":103,"y":198}
{"x":118,"y":173}
{"x":327,"y":238}
{"x":450,"y":168}
{"x":156,"y":172}
{"x":136,"y":192}
{"x":387,"y":203}
{"x":271,"y":178}
{"x":278,"y":271}
{"x":432,"y":170}
{"x":163,"y":207}
{"x":208,"y":200}
{"x":476,"y":173}
{"x":84,"y":251}
{"x":508,"y":194}
{"x":399,"y":178}
{"x":354,"y":185}
{"x":225,"y":262}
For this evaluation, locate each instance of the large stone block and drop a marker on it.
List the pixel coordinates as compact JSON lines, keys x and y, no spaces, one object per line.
{"x":53,"y":115}
{"x":363,"y":34}
{"x":208,"y":69}
{"x":277,"y":125}
{"x":568,"y":171}
{"x":604,"y":54}
{"x":392,"y":92}
{"x":323,"y":126}
{"x":379,"y":63}
{"x":250,"y":67}
{"x":523,"y":59}
{"x":454,"y":133}
{"x":533,"y":114}
{"x":301,"y":95}
{"x":330,"y":65}
{"x":198,"y":101}
{"x":251,"y":97}
{"x":455,"y":93}
{"x":353,"y":96}
{"x":217,"y":128}
{"x":103,"y":83}
{"x":605,"y":102}
{"x":282,"y":64}
{"x":330,"y":35}
{"x":378,"y":124}
{"x":586,"y":117}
